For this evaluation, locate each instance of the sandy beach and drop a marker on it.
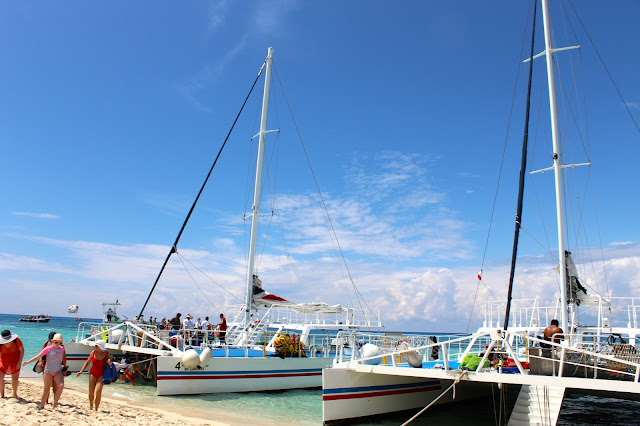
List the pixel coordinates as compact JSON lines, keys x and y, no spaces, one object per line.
{"x":74,"y":410}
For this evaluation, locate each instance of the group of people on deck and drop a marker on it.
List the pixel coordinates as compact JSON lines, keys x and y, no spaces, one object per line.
{"x":202,"y":330}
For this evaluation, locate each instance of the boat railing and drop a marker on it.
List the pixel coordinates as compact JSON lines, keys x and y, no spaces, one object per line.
{"x":604,"y":311}
{"x":502,"y":351}
{"x":318,"y":315}
{"x":524,"y":313}
{"x":428,"y":347}
{"x":628,"y":307}
{"x":126,"y":336}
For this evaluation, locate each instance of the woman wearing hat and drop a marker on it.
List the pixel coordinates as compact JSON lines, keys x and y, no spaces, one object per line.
{"x":56,"y":360}
{"x":97,"y":358}
{"x":11,"y":353}
{"x":39,"y":366}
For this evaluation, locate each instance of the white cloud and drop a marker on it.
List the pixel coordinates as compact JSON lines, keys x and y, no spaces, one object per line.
{"x":633,"y":105}
{"x":37,"y":215}
{"x":208,"y":76}
{"x":409,"y":297}
{"x":218,"y":12}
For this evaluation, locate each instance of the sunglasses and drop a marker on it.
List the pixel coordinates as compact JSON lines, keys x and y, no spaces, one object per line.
{"x":57,"y":343}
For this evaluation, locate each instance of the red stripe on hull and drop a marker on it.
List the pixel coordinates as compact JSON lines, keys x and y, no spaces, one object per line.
{"x":379,"y":393}
{"x":245,"y":376}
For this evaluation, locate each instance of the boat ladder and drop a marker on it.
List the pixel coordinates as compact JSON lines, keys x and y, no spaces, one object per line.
{"x":537,"y":405}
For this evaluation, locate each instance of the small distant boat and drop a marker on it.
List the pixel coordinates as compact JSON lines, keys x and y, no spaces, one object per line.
{"x":36,"y":318}
{"x":78,"y":319}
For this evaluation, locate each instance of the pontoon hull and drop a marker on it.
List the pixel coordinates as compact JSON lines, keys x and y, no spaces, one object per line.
{"x":239,"y":375}
{"x":350,"y":394}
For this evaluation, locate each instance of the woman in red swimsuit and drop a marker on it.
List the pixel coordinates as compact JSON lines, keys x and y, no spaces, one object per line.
{"x":97,"y":358}
{"x":11,"y":353}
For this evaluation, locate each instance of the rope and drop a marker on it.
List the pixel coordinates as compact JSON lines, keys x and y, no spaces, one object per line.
{"x":455,"y":382}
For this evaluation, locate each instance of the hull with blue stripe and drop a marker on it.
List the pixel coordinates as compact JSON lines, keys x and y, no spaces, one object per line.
{"x":240,"y":374}
{"x":348,"y":394}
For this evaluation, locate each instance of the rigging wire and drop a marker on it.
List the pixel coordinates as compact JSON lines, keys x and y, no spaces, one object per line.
{"x":196,"y":283}
{"x":359,"y":296}
{"x":174,"y":247}
{"x":624,"y":102}
{"x":495,"y":197}
{"x":184,"y":259}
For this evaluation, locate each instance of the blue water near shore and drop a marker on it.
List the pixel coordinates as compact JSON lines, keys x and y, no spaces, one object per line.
{"x":304,"y":407}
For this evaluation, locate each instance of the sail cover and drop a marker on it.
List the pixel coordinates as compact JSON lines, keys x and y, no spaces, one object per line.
{"x":264,"y":299}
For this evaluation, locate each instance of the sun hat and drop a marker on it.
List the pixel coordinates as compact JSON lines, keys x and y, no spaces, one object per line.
{"x":57,"y":336}
{"x":100,"y":345}
{"x":7,"y":336}
{"x":189,"y":316}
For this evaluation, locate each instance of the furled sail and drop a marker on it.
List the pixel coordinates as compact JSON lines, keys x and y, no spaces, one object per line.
{"x":262,"y":298}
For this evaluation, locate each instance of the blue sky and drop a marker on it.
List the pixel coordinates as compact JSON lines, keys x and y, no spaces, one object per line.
{"x":112,"y":114}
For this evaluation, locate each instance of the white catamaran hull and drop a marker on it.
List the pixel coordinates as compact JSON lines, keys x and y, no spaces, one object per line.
{"x":349,"y":394}
{"x":77,"y":354}
{"x":239,"y":375}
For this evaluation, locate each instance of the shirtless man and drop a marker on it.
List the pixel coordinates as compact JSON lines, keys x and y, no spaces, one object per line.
{"x":552,"y":330}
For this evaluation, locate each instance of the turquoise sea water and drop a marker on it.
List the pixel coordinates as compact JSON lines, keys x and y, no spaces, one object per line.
{"x":302,"y":407}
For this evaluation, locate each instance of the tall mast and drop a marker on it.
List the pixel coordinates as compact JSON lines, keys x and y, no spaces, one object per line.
{"x":255,"y":208}
{"x":557,"y":163}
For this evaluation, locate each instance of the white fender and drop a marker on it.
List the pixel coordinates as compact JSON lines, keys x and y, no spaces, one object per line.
{"x":114,"y":336}
{"x":205,"y":356}
{"x":190,"y":359}
{"x":413,"y":357}
{"x":370,"y":350}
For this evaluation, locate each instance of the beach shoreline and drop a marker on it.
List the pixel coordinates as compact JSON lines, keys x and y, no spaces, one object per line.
{"x":73,"y":409}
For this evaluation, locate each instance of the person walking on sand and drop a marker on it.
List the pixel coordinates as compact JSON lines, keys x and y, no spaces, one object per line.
{"x":56,"y":360}
{"x":97,"y":358}
{"x":39,"y":367}
{"x":11,"y":353}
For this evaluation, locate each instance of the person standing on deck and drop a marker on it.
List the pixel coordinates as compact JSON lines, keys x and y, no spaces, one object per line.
{"x":222,"y":326}
{"x":176,"y":322}
{"x":206,"y":323}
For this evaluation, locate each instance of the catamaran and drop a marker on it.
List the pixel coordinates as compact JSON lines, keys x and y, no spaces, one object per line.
{"x":272,"y":344}
{"x":414,"y":373}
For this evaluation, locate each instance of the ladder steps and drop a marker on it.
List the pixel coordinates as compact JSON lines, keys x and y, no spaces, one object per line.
{"x":537,"y":405}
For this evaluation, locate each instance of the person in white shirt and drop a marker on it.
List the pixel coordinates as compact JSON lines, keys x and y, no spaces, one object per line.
{"x":205,"y":324}
{"x":188,"y":323}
